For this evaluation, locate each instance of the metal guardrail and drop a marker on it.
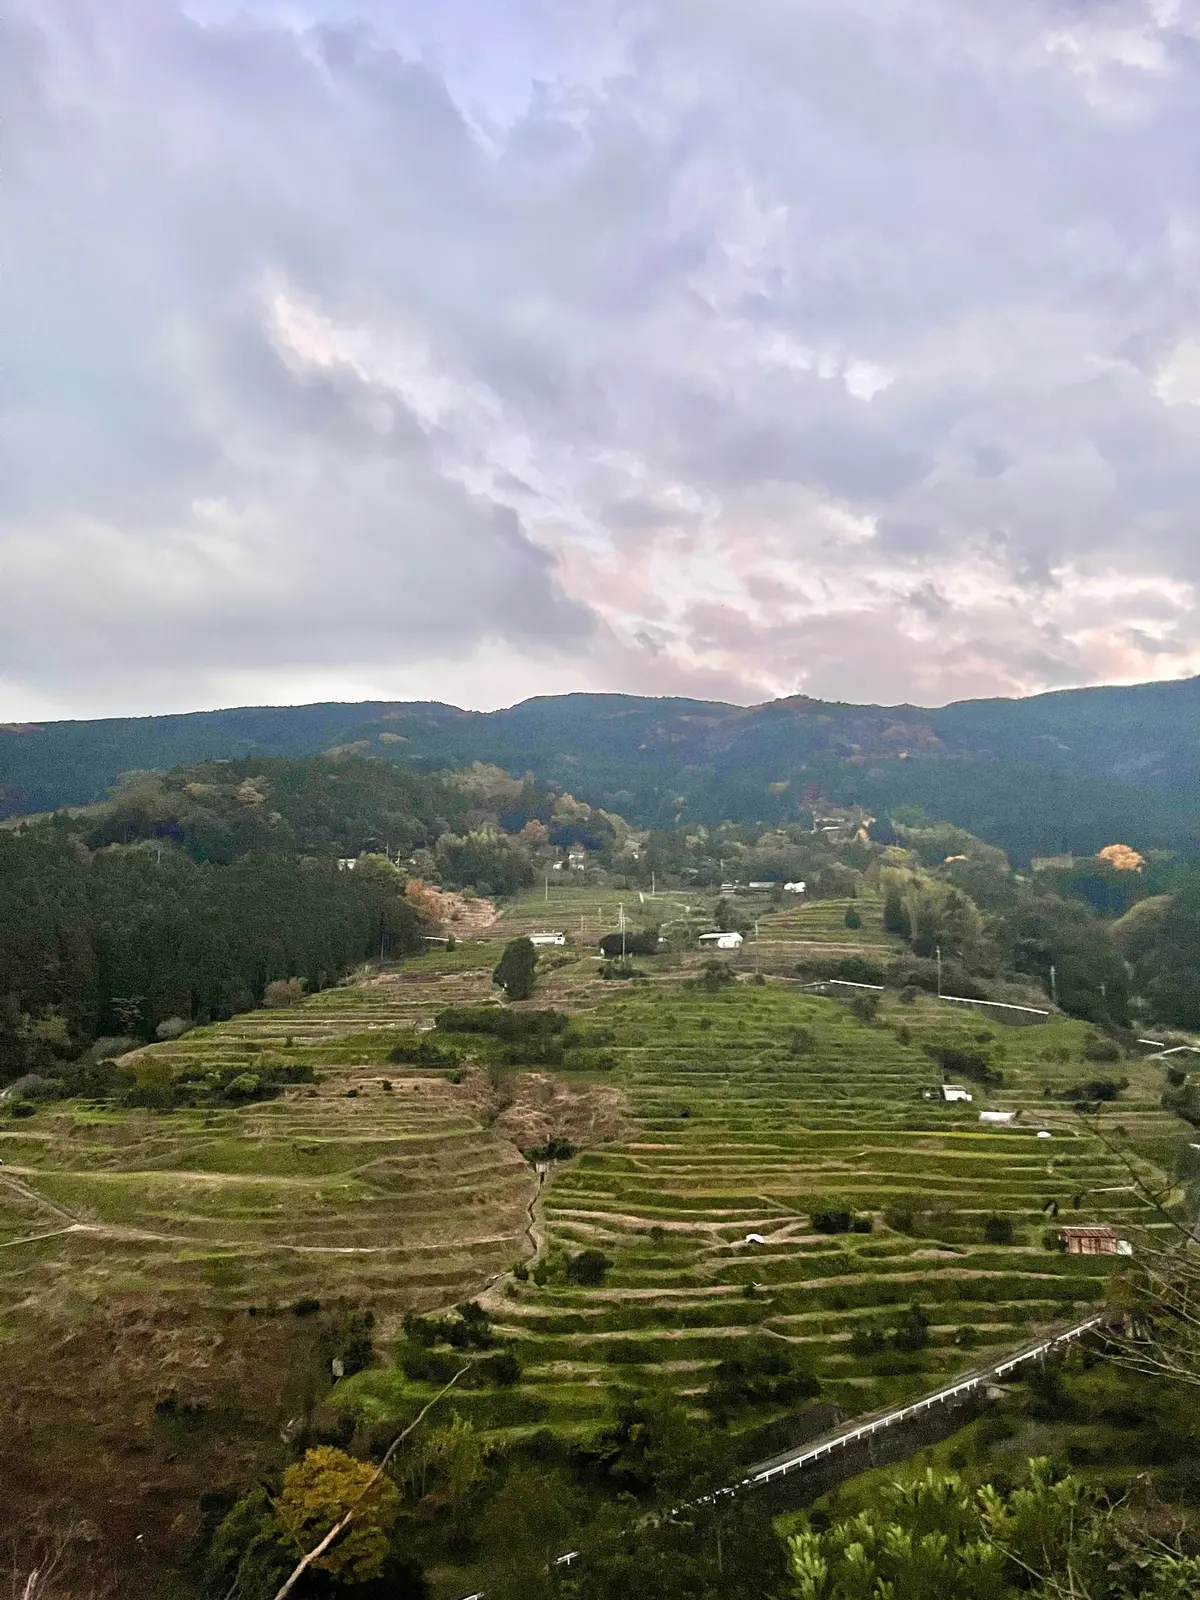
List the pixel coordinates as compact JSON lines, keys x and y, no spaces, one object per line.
{"x":926,"y":1403}
{"x":847,"y":1436}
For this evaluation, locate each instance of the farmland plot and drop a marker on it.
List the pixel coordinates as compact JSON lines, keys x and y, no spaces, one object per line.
{"x":756,"y":1108}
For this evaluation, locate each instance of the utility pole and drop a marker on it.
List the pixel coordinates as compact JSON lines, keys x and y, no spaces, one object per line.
{"x":621,"y":915}
{"x":547,"y":888}
{"x":652,"y":884}
{"x":939,"y":962}
{"x":756,"y":949}
{"x":1053,"y":985}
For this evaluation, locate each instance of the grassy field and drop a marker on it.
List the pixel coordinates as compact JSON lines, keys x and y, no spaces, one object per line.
{"x":142,"y":1249}
{"x":738,"y":1135}
{"x":587,"y":914}
{"x":754,"y":1106}
{"x":149,"y":1258}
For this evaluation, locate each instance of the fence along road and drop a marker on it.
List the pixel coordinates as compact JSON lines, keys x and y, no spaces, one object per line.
{"x":792,"y":1461}
{"x":778,"y":1466}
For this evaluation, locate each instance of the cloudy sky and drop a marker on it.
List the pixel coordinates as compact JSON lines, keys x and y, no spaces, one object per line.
{"x":473,"y":349}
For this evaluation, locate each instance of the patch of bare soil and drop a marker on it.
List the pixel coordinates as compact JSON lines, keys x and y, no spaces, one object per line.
{"x":465,"y":918}
{"x":544,"y":1108}
{"x":122,"y":1418}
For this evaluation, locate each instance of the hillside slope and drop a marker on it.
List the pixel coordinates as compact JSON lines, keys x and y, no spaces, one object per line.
{"x":1064,"y":771}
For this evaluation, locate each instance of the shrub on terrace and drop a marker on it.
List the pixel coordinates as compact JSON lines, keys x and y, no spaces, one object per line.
{"x":959,"y":1063}
{"x":998,"y":1230}
{"x":714,"y":976}
{"x":587,"y":1269}
{"x":761,"y":1372}
{"x":830,"y":1219}
{"x":630,"y":944}
{"x":423,"y":1051}
{"x":555,"y":1149}
{"x":502,"y":1369}
{"x":283,"y":992}
{"x":864,"y":1008}
{"x":173,"y":1028}
{"x":514,"y":972}
{"x":628,"y":1352}
{"x":1102,"y":1089}
{"x":913,"y":1331}
{"x":422,"y":1365}
{"x":1097,"y":1048}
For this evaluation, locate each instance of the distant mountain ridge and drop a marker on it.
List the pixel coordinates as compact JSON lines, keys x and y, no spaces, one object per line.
{"x":1097,"y":758}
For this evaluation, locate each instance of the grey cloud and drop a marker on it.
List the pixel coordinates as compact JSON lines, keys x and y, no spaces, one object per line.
{"x":775,"y":275}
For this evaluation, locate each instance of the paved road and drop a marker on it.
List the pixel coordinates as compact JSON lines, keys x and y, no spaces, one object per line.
{"x":793,"y":1460}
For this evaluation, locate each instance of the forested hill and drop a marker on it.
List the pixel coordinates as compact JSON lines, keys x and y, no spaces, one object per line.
{"x":1068,"y":771}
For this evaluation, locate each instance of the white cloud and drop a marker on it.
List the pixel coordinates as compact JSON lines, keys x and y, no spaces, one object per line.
{"x":824,"y":344}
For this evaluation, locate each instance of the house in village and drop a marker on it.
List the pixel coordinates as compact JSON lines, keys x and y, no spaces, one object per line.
{"x":1095,"y":1241}
{"x":721,"y":941}
{"x":540,"y":940}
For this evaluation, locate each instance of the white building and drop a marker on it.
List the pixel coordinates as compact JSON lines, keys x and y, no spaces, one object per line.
{"x":955,"y":1091}
{"x":1002,"y":1118}
{"x":540,"y":939}
{"x":347,"y":863}
{"x":720,"y":941}
{"x":793,"y":888}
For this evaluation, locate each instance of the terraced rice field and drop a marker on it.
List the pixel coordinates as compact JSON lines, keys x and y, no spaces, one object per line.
{"x":824,"y":922}
{"x":746,"y":1111}
{"x":736,"y":1134}
{"x":391,"y":1197}
{"x":585,"y":915}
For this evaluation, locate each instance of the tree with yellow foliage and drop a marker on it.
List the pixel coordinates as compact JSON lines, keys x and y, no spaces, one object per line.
{"x":317,"y":1493}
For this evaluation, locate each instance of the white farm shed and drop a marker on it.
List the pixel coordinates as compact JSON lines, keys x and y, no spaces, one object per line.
{"x":721,"y":941}
{"x":541,"y":939}
{"x":955,"y":1091}
{"x":1001,"y":1118}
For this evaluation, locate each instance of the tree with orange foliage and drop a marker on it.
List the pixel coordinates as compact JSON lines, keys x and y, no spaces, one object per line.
{"x":1122,"y":857}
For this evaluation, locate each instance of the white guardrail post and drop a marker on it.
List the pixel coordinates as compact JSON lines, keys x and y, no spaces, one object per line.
{"x":864,"y":1429}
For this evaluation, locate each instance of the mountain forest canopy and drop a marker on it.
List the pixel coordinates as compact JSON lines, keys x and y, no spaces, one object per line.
{"x":1068,"y":772}
{"x":188,"y":893}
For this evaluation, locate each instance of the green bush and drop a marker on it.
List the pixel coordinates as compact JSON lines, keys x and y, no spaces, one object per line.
{"x":1097,"y":1048}
{"x":587,"y":1269}
{"x":423,"y":1365}
{"x":514,"y":972}
{"x":628,"y":1352}
{"x":511,"y":1026}
{"x":555,"y":1149}
{"x":829,"y":1219}
{"x":762,"y":1372}
{"x":503,"y":1369}
{"x":959,"y":1063}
